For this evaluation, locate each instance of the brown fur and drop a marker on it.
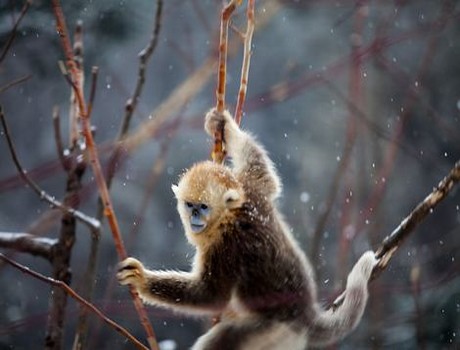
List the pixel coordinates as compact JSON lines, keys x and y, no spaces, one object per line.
{"x":247,"y":268}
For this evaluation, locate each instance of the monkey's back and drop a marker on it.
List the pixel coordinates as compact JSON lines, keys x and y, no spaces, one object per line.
{"x":268,"y":273}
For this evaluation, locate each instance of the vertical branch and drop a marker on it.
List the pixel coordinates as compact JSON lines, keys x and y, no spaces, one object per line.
{"x":218,"y":152}
{"x":130,"y":107}
{"x":96,"y":166}
{"x":246,"y":62}
{"x":74,"y":113}
{"x":75,"y":168}
{"x":61,"y":258}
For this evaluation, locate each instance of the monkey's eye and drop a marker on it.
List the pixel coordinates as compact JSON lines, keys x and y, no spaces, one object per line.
{"x":203,"y":206}
{"x":189,"y":204}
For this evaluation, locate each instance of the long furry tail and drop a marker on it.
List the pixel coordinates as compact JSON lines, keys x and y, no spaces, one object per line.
{"x":332,"y":325}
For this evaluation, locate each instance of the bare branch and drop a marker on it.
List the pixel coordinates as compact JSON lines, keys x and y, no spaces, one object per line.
{"x":97,"y":168}
{"x":15,"y":82}
{"x":393,"y":241}
{"x":58,"y":139}
{"x":246,"y":62}
{"x":144,"y":57}
{"x":93,"y":224}
{"x":132,"y":102}
{"x":77,"y":297}
{"x":92,"y":93}
{"x":10,"y":40}
{"x":27,"y":243}
{"x":218,"y":151}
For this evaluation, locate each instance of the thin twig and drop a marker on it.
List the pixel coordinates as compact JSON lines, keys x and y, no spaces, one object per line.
{"x":93,"y":224}
{"x":393,"y":241}
{"x":10,"y":40}
{"x":225,"y":16}
{"x":97,"y":168}
{"x":246,"y":62}
{"x":171,"y":105}
{"x":58,"y":139}
{"x":114,"y":158}
{"x":144,"y":57}
{"x":14,"y":83}
{"x":77,"y":78}
{"x":27,"y":243}
{"x":189,"y":88}
{"x":92,"y":93}
{"x":77,"y":297}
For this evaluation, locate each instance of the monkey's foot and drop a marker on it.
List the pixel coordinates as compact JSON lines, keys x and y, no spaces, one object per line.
{"x":363,"y":269}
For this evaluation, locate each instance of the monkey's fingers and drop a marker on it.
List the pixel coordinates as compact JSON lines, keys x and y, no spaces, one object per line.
{"x":130,"y":264}
{"x":125,"y":277}
{"x":214,"y":118}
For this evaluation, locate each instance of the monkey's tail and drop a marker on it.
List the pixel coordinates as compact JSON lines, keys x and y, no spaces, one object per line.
{"x":332,"y":325}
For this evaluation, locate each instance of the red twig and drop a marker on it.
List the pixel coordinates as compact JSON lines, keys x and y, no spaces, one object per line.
{"x":77,"y":297}
{"x":97,"y":169}
{"x":218,"y":152}
{"x":246,"y":62}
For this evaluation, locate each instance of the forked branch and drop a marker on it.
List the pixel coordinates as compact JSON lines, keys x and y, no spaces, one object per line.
{"x":218,"y":152}
{"x":96,"y":165}
{"x":93,"y":224}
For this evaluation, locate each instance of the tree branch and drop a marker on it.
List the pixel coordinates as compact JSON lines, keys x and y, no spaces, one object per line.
{"x":246,"y":61}
{"x":394,"y":240}
{"x":14,"y":83}
{"x":27,"y":243}
{"x":10,"y":40}
{"x":77,"y":297}
{"x":97,"y":168}
{"x":93,"y":224}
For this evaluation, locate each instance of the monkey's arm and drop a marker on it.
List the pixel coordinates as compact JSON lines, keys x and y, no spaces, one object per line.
{"x":250,"y":160}
{"x":183,"y":291}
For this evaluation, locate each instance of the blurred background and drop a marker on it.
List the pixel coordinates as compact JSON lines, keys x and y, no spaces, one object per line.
{"x":357,"y":102}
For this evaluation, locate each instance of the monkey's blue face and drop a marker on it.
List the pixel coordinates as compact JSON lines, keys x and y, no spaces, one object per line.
{"x":198,"y":214}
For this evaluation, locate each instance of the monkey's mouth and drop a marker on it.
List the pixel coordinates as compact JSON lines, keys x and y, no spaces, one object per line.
{"x":196,"y":228}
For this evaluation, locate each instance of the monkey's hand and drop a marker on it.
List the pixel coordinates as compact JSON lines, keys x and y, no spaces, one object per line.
{"x":214,"y":118}
{"x":362,"y":270}
{"x":131,"y":271}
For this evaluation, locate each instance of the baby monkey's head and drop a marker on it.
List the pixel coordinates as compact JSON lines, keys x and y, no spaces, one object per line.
{"x":204,"y":193}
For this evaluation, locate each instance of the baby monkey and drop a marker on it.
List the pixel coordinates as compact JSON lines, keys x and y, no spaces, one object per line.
{"x":247,"y":268}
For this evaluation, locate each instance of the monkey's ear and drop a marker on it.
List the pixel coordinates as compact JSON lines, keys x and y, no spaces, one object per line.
{"x":232,"y":198}
{"x":175,"y":189}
